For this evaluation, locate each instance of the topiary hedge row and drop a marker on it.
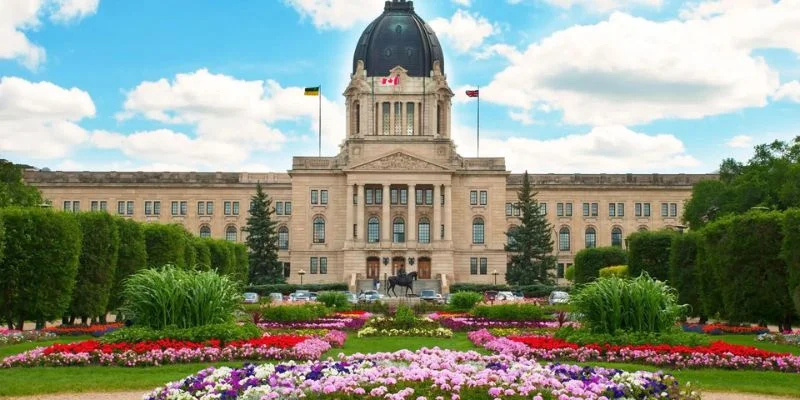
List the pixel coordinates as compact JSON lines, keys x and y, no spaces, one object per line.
{"x":589,"y":262}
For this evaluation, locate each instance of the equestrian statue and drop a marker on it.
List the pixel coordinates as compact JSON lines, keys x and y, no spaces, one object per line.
{"x":402,"y":279}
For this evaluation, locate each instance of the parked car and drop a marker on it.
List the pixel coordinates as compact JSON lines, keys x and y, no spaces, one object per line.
{"x":352,"y":298}
{"x":506,"y":296}
{"x":370,"y":296}
{"x":430,"y":295}
{"x":490,"y":296}
{"x":251,"y":298}
{"x":558,"y":298}
{"x":300,"y":295}
{"x":312,"y":296}
{"x":275,"y":298}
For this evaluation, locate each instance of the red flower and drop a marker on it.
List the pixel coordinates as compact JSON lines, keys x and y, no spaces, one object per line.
{"x":279,"y":341}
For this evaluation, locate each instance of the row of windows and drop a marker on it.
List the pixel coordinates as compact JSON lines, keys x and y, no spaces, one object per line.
{"x":590,"y":238}
{"x":515,"y":209}
{"x":593,"y":209}
{"x":478,"y":197}
{"x":231,"y":233}
{"x":319,"y":196}
{"x":176,"y":207}
{"x":318,"y":265}
{"x":478,"y":266}
{"x":283,"y":208}
{"x":397,"y":196}
{"x":402,"y":126}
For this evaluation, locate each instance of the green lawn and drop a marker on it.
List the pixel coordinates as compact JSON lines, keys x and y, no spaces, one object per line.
{"x":750,"y":340}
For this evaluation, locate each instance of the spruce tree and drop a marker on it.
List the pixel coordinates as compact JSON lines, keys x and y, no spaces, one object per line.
{"x":530,"y":244}
{"x":262,"y":241}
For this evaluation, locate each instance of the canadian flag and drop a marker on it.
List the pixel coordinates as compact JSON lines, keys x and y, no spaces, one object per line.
{"x":390,"y":81}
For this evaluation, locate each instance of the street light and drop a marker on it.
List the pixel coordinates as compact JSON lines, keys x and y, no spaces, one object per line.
{"x":301,"y":273}
{"x":495,"y":273}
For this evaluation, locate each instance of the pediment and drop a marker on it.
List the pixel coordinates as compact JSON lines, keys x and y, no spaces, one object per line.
{"x":398,"y":161}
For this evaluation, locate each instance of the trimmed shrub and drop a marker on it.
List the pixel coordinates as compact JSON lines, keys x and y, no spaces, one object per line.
{"x":221,"y":256}
{"x":584,"y":337}
{"x":223,"y":332}
{"x":649,"y":252}
{"x":294,"y":313}
{"x":184,"y":299}
{"x":512,"y":312}
{"x":683,"y":270}
{"x":2,"y":242}
{"x":708,"y":286}
{"x":97,"y":265}
{"x":464,"y":300}
{"x":189,"y":251}
{"x":569,"y":274}
{"x":131,"y":257}
{"x":285,"y":288}
{"x":588,"y":262}
{"x":40,"y":264}
{"x":241,"y":263}
{"x":620,"y":271}
{"x":404,"y":317}
{"x":790,"y":253}
{"x":642,"y":304}
{"x":203,"y":261}
{"x":166,"y":244}
{"x":334,"y":300}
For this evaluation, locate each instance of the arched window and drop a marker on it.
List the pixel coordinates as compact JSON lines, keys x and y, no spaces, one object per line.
{"x":319,"y":230}
{"x":424,"y":231}
{"x":511,"y":231}
{"x":478,"y":236}
{"x":642,"y":228}
{"x":205,"y":231}
{"x":231,"y":233}
{"x":373,"y":230}
{"x":591,"y":238}
{"x":283,"y":238}
{"x":356,"y":121}
{"x":399,"y":230}
{"x":616,"y":237}
{"x":563,"y":239}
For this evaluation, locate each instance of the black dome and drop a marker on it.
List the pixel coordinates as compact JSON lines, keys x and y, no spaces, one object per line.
{"x":398,"y":37}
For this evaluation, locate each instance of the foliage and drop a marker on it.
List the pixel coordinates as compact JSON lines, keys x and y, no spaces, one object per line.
{"x":649,"y":252}
{"x":790,"y":253}
{"x":40,"y":264}
{"x":642,"y":304}
{"x":334,"y":300}
{"x":588,"y":262}
{"x":404,"y":317}
{"x":97,"y":264}
{"x":512,"y":312}
{"x":189,"y":251}
{"x":262,"y":240}
{"x":165,"y":244}
{"x":531,"y":243}
{"x":241,"y":263}
{"x":184,"y":299}
{"x":286,"y":288}
{"x":620,"y":271}
{"x":464,"y":300}
{"x":708,"y":254}
{"x":569,"y":274}
{"x":683,"y":270}
{"x":222,"y":258}
{"x":294,"y":313}
{"x":203,"y":260}
{"x":131,"y":257}
{"x":623,"y":338}
{"x":373,"y":307}
{"x":13,"y":190}
{"x":527,"y":290}
{"x":426,"y":307}
{"x":224,"y":332}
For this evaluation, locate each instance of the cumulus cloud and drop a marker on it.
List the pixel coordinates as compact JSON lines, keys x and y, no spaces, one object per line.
{"x":464,"y":3}
{"x":740,"y":142}
{"x":463,"y":30}
{"x":789,"y":91}
{"x":611,"y":149}
{"x":337,"y":14}
{"x":39,"y":119}
{"x":603,"y":5}
{"x":70,"y":10}
{"x":706,"y":9}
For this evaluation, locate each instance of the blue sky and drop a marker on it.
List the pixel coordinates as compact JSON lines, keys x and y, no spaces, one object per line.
{"x":568,"y":86}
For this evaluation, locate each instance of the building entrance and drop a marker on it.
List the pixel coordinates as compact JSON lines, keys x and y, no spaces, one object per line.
{"x":424,"y":268}
{"x":373,"y":268}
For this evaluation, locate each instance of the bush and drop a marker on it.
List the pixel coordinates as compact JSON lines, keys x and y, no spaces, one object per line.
{"x":404,"y":317}
{"x":131,"y":257}
{"x":708,"y":254}
{"x":40,"y":264}
{"x":649,"y":252}
{"x":642,"y":304}
{"x":569,"y":274}
{"x":512,"y":312}
{"x":588,"y":262}
{"x":223,"y":332}
{"x":620,"y":271}
{"x":464,"y":300}
{"x":334,"y":300}
{"x":166,"y":244}
{"x":294,"y":313}
{"x":203,"y":261}
{"x":189,"y":251}
{"x":97,"y":265}
{"x":527,"y":290}
{"x":184,"y":299}
{"x":285,"y":288}
{"x":374,"y":307}
{"x":683,"y":270}
{"x":622,"y":338}
{"x":241,"y":264}
{"x":222,"y":259}
{"x":790,"y":253}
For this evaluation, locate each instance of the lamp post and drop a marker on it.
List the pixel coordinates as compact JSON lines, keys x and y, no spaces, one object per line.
{"x":495,"y":273}
{"x":301,"y":273}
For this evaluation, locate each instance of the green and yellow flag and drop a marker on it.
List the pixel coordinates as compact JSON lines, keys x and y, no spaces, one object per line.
{"x":312,"y":91}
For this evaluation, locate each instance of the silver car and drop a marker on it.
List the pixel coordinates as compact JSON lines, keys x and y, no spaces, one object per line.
{"x":558,"y":298}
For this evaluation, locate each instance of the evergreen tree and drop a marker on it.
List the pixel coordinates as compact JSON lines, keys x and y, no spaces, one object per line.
{"x":531,"y":243}
{"x":262,"y":241}
{"x":13,"y":189}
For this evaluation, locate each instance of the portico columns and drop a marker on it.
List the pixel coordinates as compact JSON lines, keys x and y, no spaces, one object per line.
{"x":349,"y":213}
{"x":448,"y":213}
{"x":386,"y":226}
{"x":412,"y":213}
{"x":437,"y":213}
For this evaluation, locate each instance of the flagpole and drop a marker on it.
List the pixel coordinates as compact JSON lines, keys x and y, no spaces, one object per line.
{"x":479,"y":121}
{"x":320,"y":120}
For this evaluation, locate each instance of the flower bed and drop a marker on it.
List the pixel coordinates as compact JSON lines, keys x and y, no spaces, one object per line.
{"x":95,"y":330}
{"x":425,"y":374}
{"x":422,"y":332}
{"x":466,"y":323}
{"x":721,"y":329}
{"x":167,"y":351}
{"x":336,"y":322}
{"x":8,"y":336}
{"x":780,"y":338}
{"x":716,"y":355}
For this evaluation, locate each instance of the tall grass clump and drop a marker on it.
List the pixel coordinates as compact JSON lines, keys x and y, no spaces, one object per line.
{"x":609,"y":305}
{"x":171,"y":297}
{"x":334,"y":300}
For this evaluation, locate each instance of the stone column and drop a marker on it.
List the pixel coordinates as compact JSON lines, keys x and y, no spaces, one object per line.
{"x":349,"y":213}
{"x":411,"y":225}
{"x":448,"y":212}
{"x":386,"y":226}
{"x":362,"y":231}
{"x":437,"y":213}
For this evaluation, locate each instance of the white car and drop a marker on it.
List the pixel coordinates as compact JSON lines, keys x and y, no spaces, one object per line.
{"x":276,"y":298}
{"x":506,"y":296}
{"x":370,"y":296}
{"x":251,"y":298}
{"x":558,"y":298}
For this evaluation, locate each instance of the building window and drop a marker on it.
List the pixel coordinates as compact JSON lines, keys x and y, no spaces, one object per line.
{"x":424,"y":231}
{"x":398,"y":118}
{"x":620,"y":209}
{"x":378,"y":196}
{"x":560,"y":271}
{"x":612,"y":209}
{"x":174,"y":208}
{"x":103,"y":205}
{"x":279,"y":208}
{"x":231,"y":233}
{"x":355,"y":197}
{"x":441,"y":232}
{"x":148,"y":207}
{"x":323,"y":197}
{"x":283,"y":238}
{"x":93,"y":205}
{"x":517,"y":210}
{"x":560,"y":209}
{"x":616,"y":237}
{"x":509,"y":209}
{"x":543,"y":208}
{"x":473,"y":198}
{"x":209,"y":208}
{"x":386,"y":119}
{"x":287,"y":270}
{"x":76,"y":206}
{"x":157,"y":207}
{"x":568,"y":211}
{"x":404,"y":196}
{"x":184,"y":207}
{"x":591,"y":238}
{"x":129,"y":208}
{"x":399,"y":230}
{"x":439,"y":118}
{"x":484,"y":266}
{"x":314,"y":265}
{"x":595,"y":209}
{"x":368,"y":195}
{"x":319,"y":230}
{"x":429,"y":197}
{"x":673,"y":209}
{"x":638,"y":209}
{"x":121,"y":207}
{"x":235,"y":208}
{"x":67,"y":205}
{"x":473,"y":266}
{"x":373,"y":230}
{"x":419,"y":197}
{"x":646,"y":209}
{"x":357,"y":119}
{"x":563,"y":239}
{"x":510,"y":235}
{"x":226,"y":208}
{"x":205,"y":231}
{"x":410,"y":118}
{"x":393,"y":195}
{"x":441,"y":197}
{"x":287,"y":208}
{"x":664,"y":210}
{"x":478,"y":231}
{"x":585,"y":209}
{"x":323,"y":265}
{"x":314,"y":197}
{"x":484,"y":197}
{"x":355,"y":231}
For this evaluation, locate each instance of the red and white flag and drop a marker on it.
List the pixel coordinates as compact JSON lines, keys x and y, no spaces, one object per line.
{"x":390,"y":81}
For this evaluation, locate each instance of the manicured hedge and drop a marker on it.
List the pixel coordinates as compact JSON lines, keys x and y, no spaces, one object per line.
{"x":620,"y":271}
{"x":464,"y":300}
{"x":189,"y":251}
{"x":683,"y":270}
{"x":527,"y":291}
{"x":203,"y":261}
{"x":222,"y":258}
{"x":708,"y":287}
{"x":294,"y":313}
{"x":241,"y":265}
{"x":286,"y":288}
{"x":649,"y":252}
{"x":97,"y":265}
{"x":588,"y":262}
{"x":41,"y":260}
{"x":790,"y":253}
{"x":165,"y":245}
{"x":132,"y":257}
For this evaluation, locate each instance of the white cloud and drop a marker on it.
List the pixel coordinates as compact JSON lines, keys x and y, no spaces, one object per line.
{"x":463,"y":30}
{"x":39,"y":119}
{"x":613,"y":149}
{"x":18,"y":16}
{"x":464,"y":3}
{"x":522,"y":116}
{"x":603,"y":5}
{"x":337,"y":14}
{"x":740,"y":142}
{"x":706,"y":9}
{"x":789,"y":91}
{"x":630,"y":70}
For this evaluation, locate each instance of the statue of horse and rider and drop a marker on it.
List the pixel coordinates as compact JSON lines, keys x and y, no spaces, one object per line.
{"x":402,"y":279}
